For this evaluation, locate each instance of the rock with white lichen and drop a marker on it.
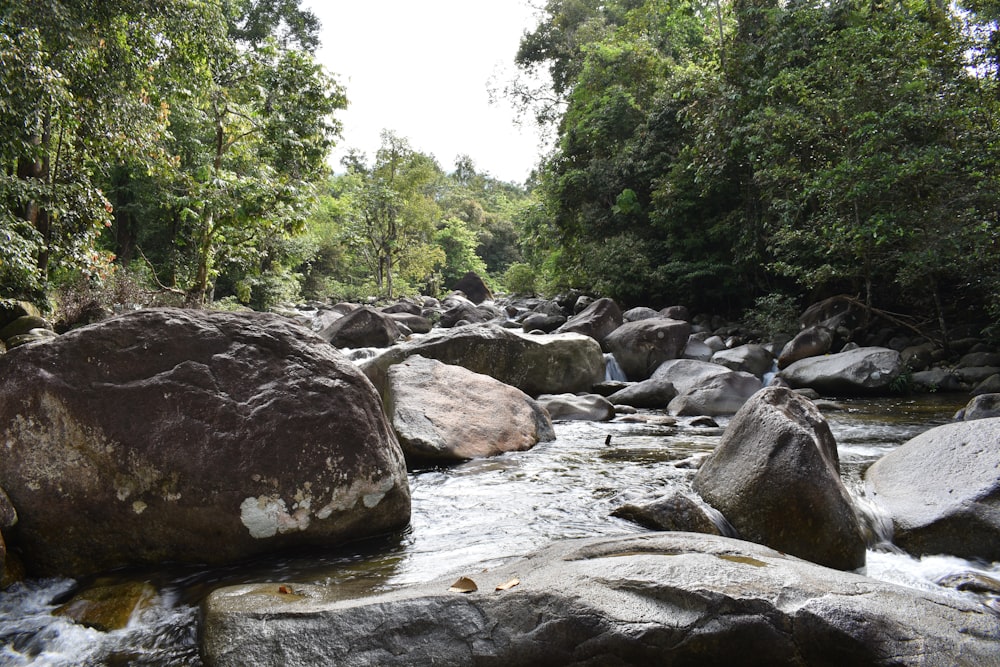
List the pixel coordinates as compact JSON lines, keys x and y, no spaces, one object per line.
{"x":190,"y":436}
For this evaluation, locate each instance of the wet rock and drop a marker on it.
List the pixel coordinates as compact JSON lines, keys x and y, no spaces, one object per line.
{"x":673,"y":512}
{"x":975,"y":375}
{"x":942,"y":490}
{"x":582,"y":407}
{"x":721,"y":394}
{"x":811,"y":342}
{"x":597,"y":320}
{"x":864,"y":371}
{"x":750,"y":358}
{"x":640,"y":347}
{"x":978,"y":359}
{"x":473,"y":287}
{"x":972,"y":582}
{"x":983,"y":406}
{"x":108,"y":607}
{"x":653,"y":394}
{"x":191,"y":436}
{"x":664,"y":598}
{"x":776,"y":477}
{"x":991,"y":385}
{"x":363,"y":327}
{"x":550,"y":364}
{"x":448,"y":413}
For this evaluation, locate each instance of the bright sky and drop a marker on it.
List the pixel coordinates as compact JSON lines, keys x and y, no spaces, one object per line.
{"x":422,"y":69}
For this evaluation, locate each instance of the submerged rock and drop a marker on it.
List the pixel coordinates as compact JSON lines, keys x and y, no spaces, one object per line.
{"x":448,"y":413}
{"x":108,"y":607}
{"x":942,"y":490}
{"x":673,"y":512}
{"x":192,"y":436}
{"x":776,"y":477}
{"x":667,"y":598}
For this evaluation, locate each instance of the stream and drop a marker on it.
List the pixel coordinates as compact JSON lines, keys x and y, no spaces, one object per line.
{"x":474,"y":516}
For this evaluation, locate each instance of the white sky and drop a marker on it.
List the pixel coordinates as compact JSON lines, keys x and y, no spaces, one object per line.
{"x":421,"y":68}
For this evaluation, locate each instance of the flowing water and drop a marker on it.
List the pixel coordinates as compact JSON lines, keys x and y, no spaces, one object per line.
{"x":477,"y":515}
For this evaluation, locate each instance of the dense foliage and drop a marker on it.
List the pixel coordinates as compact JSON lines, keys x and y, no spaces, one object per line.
{"x":710,"y":152}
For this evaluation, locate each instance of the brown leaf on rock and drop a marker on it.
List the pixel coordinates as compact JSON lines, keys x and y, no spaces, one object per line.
{"x":463,"y":585}
{"x":506,"y":586}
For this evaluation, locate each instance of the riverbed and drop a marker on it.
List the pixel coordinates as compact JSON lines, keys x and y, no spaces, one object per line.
{"x":476,"y":515}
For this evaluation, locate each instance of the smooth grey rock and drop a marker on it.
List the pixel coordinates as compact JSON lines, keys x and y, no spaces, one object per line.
{"x":583,"y":407}
{"x":543,"y":364}
{"x":542,"y":322}
{"x":653,"y":394}
{"x":722,"y":394}
{"x":686,"y":374}
{"x":990,"y":385}
{"x":639,"y":313}
{"x":776,"y":477}
{"x":937,"y":379}
{"x":664,"y":598}
{"x":418,"y":324}
{"x":864,"y":371}
{"x":942,"y":490}
{"x":698,"y":350}
{"x":676,"y":511}
{"x":191,"y":436}
{"x":751,"y":358}
{"x":448,"y":413}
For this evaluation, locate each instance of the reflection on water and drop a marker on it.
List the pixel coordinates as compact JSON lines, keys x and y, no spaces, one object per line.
{"x":475,"y":516}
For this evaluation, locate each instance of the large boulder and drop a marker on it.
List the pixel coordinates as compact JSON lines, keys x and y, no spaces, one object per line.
{"x":652,"y":393}
{"x":539,"y":364}
{"x":861,"y":371}
{"x":597,"y":320}
{"x":721,"y":394}
{"x":174,"y":435}
{"x":811,"y":342}
{"x":686,"y":374}
{"x":776,"y":477}
{"x":363,"y":327}
{"x":473,"y":287}
{"x":661,"y":599}
{"x":942,"y":490}
{"x":750,"y":358}
{"x":643,"y":345}
{"x":448,"y":413}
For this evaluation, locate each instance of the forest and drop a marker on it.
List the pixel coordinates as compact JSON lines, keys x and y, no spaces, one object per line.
{"x":723,"y":154}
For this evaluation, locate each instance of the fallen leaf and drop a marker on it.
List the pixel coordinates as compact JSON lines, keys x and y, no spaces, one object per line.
{"x":284,"y":590}
{"x":463,"y":585}
{"x":508,"y":585}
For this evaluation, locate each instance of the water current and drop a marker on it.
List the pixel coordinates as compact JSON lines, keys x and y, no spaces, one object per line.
{"x":474,"y":516}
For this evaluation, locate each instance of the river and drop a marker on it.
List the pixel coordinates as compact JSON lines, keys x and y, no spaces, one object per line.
{"x":474,"y":516}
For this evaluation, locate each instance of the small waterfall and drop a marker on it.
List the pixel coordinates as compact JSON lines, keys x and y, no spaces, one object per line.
{"x":768,"y":376}
{"x":612,"y":370}
{"x":359,"y":354}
